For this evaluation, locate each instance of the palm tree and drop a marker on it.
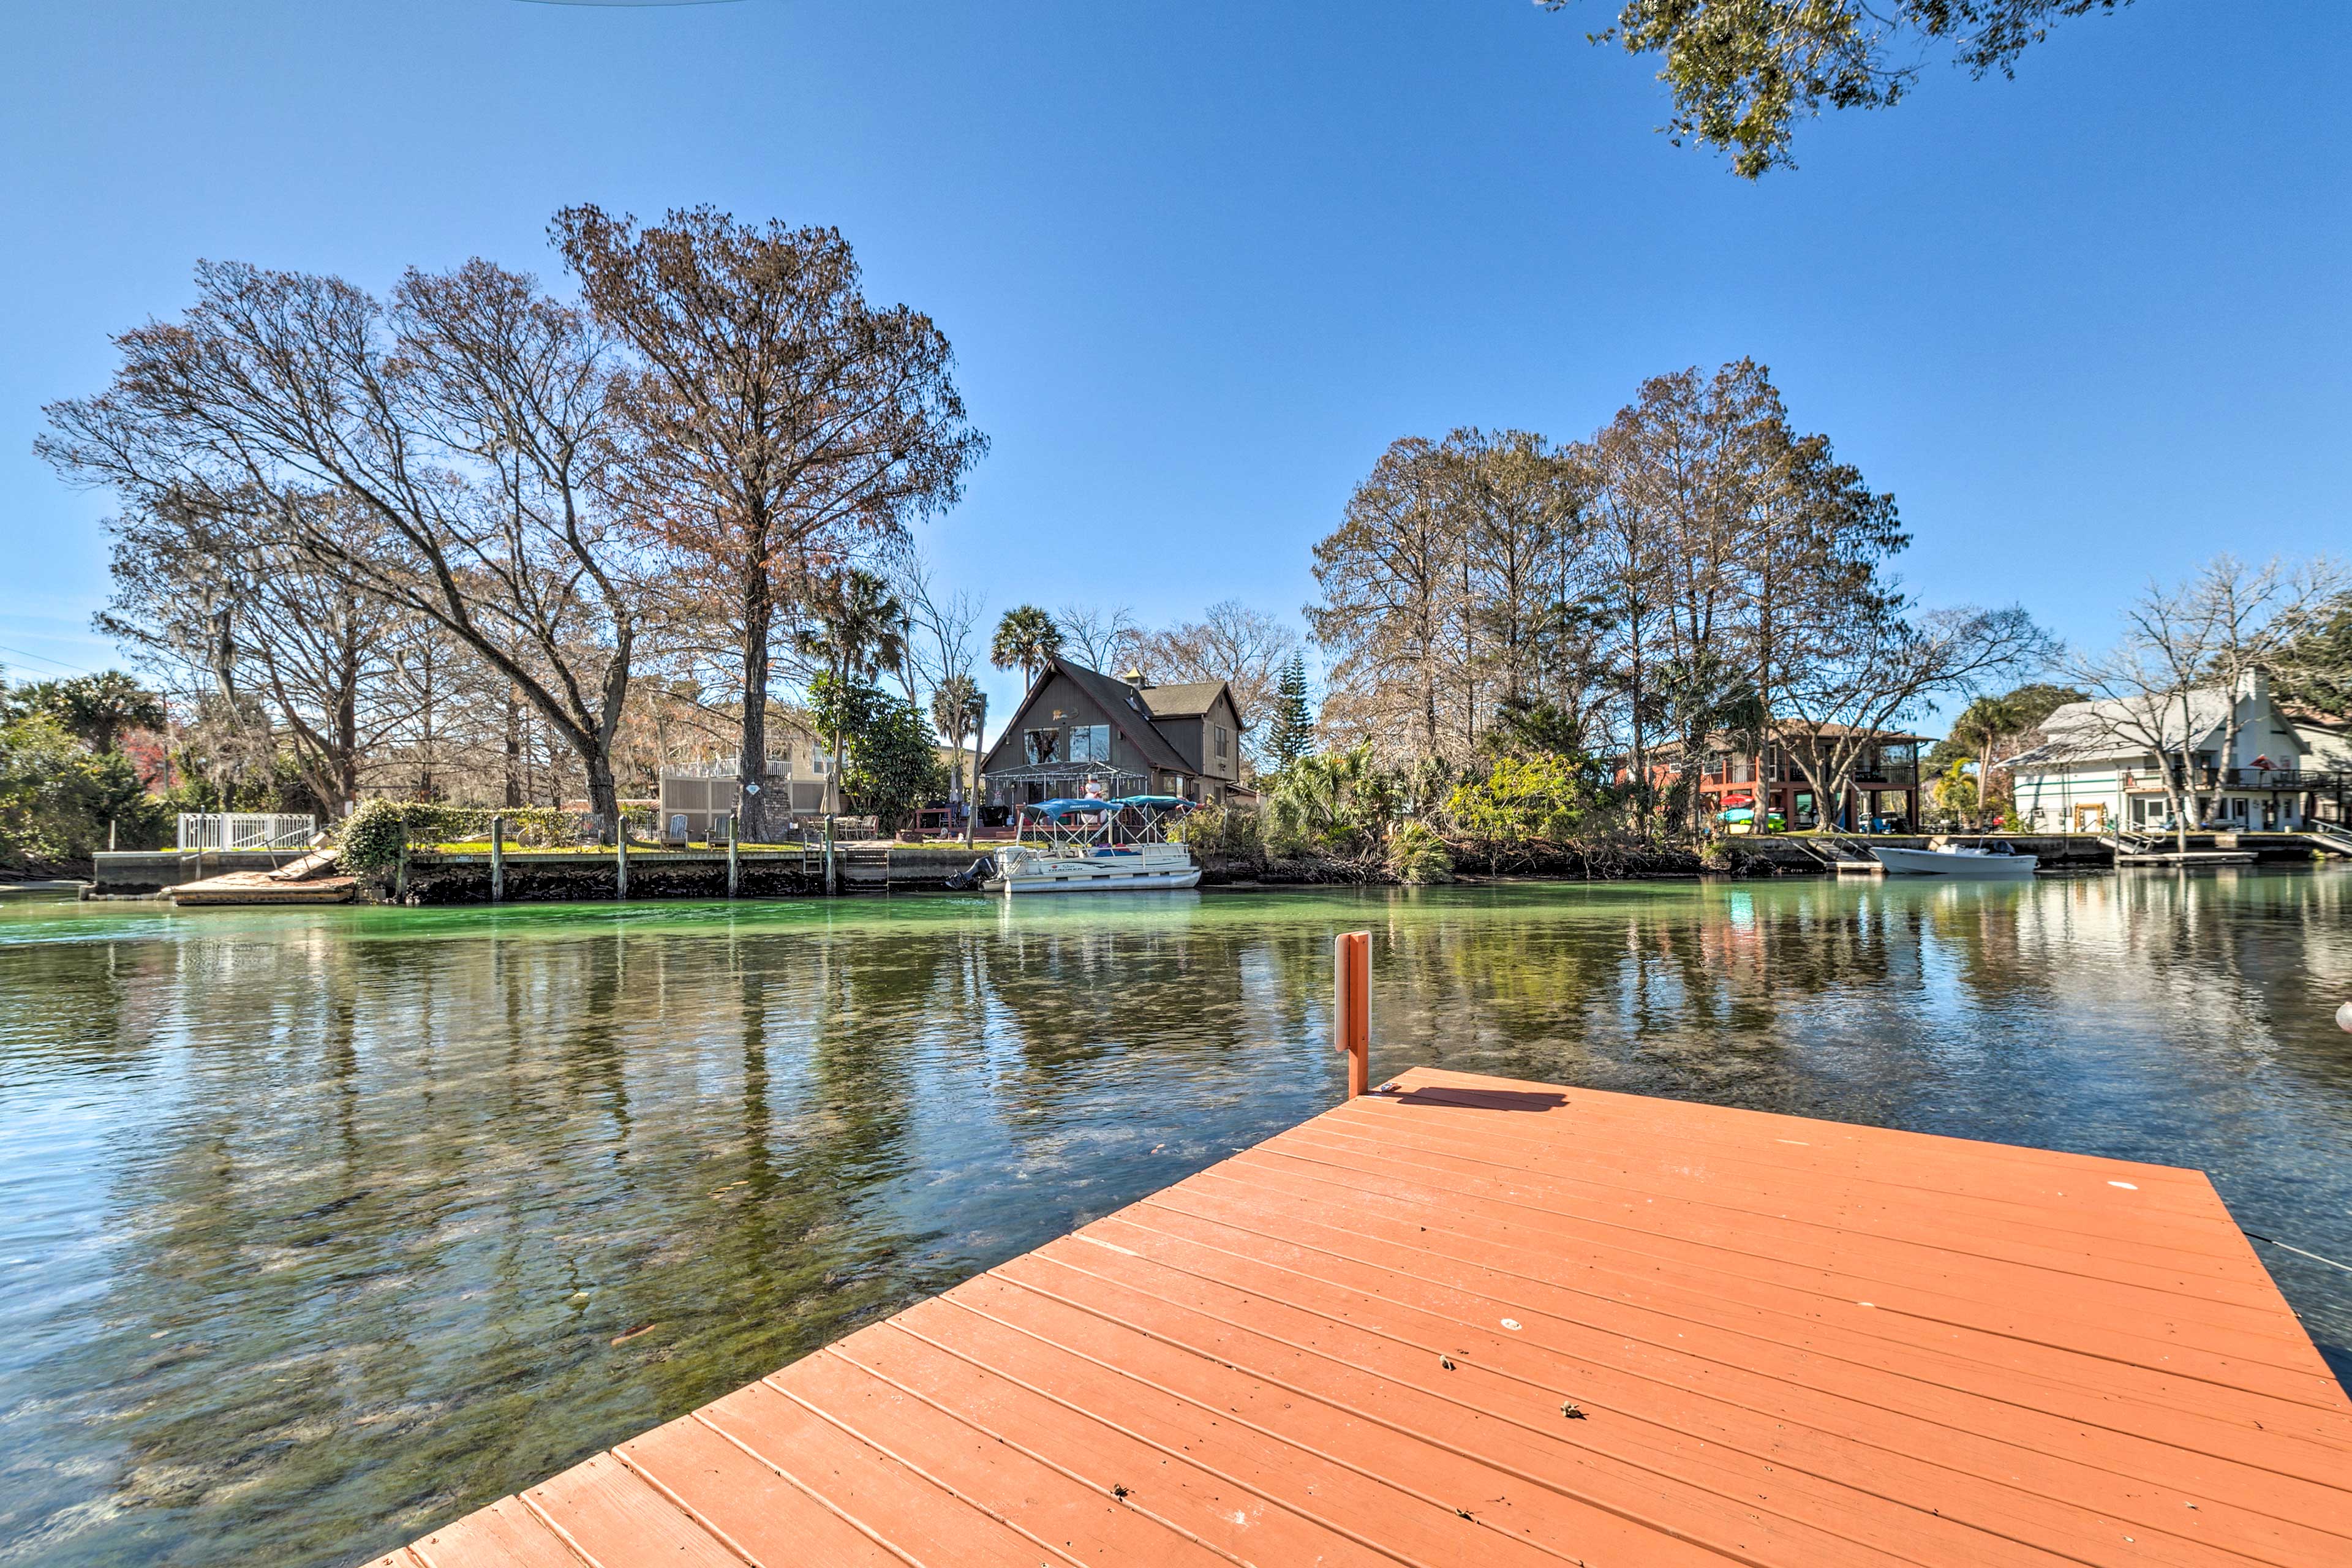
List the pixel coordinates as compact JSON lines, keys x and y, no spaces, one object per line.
{"x":860,"y":628}
{"x":1026,"y":637}
{"x":96,"y":709}
{"x":959,"y":708}
{"x":1981,"y":726}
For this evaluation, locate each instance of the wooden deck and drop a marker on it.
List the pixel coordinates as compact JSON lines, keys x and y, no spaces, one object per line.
{"x":1477,"y":1321}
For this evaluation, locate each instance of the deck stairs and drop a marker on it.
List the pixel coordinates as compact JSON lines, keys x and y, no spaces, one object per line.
{"x":1840,"y":853}
{"x":317,"y":863}
{"x":2331,"y":839}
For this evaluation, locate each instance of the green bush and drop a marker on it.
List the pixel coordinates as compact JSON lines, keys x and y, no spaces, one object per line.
{"x":372,"y":836}
{"x":1231,"y":832}
{"x":1418,"y":857}
{"x":58,"y":797}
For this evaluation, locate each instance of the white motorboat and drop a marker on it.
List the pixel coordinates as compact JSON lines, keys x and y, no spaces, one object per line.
{"x":1994,"y":859}
{"x":1094,"y":845}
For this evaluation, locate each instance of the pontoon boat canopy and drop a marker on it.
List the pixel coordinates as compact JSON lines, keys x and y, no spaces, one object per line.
{"x":1057,"y":809}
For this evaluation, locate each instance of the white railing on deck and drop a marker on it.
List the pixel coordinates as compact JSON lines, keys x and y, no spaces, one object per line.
{"x":244,"y":830}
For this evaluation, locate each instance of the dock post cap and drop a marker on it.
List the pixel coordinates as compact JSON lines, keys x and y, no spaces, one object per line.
{"x":1351,"y":1009}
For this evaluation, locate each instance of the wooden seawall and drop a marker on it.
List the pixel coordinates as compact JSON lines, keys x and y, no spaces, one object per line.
{"x":1470,"y":1321}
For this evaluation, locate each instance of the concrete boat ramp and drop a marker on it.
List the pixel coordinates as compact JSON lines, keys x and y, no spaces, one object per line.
{"x":1474,"y":1321}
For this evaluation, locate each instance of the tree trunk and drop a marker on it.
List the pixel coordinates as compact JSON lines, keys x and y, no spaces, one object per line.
{"x":512,"y":795}
{"x":603,"y":798}
{"x":751,"y":758}
{"x":972,"y":801}
{"x":347,"y":743}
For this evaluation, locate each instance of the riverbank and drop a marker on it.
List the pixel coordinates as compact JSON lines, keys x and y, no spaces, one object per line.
{"x":468,"y":875}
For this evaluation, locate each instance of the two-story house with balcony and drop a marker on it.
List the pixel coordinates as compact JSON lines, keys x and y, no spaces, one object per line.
{"x":1749,"y":791}
{"x":1078,"y":725}
{"x":2104,"y":766}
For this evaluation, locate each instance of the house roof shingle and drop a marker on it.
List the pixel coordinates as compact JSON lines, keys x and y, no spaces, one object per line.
{"x":1190,"y":699}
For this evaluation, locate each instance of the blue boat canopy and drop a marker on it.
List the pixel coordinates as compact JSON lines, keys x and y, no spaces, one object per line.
{"x":1057,"y":809}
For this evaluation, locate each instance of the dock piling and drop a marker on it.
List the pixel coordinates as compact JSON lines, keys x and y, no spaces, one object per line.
{"x":734,"y":863}
{"x":621,"y":862}
{"x":498,"y":860}
{"x":1351,"y":1011}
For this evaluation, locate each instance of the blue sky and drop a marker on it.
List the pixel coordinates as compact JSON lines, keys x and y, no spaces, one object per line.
{"x":1201,"y":263}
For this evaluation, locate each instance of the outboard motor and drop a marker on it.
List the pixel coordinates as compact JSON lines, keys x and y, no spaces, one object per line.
{"x":973,"y":876}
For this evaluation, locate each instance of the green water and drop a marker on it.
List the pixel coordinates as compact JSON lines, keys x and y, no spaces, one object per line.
{"x":317,"y":1225}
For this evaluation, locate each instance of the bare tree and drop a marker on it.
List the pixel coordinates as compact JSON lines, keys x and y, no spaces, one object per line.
{"x":944,"y":626}
{"x":2255,"y":614}
{"x":456,"y":424}
{"x":1246,"y":648}
{"x":1881,"y":668}
{"x":775,"y":425}
{"x":2206,"y":635}
{"x":1385,"y":575}
{"x":1107,"y":640}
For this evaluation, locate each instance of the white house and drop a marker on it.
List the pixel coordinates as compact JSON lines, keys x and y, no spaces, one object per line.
{"x":2327,"y":745}
{"x":2099,"y":768}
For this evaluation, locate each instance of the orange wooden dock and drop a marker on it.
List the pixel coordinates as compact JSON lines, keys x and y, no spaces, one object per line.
{"x":1474,"y":1321}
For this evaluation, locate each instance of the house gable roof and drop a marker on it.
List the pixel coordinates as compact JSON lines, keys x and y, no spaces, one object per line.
{"x":2115,"y":727}
{"x":1190,"y":699}
{"x":1111,"y":696}
{"x":2125,"y":727}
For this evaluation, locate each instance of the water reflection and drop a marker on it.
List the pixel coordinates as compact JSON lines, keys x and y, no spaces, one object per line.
{"x":319,"y":1227}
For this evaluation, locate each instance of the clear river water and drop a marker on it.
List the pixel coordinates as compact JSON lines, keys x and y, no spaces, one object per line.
{"x":319,"y":1227}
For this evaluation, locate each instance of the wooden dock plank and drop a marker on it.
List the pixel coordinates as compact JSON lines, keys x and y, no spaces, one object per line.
{"x":1840,"y":1288}
{"x":504,"y":1535}
{"x":1740,"y":1176}
{"x":1668,"y":1402}
{"x":614,"y":1518}
{"x":1856,"y":1260}
{"x":1928,"y":1385}
{"x":766,"y":1512}
{"x":1603,"y":1279}
{"x":1473,"y":1321}
{"x":1660,"y":1475}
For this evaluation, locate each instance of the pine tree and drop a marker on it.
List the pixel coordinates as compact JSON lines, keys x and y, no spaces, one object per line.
{"x":1292,"y":734}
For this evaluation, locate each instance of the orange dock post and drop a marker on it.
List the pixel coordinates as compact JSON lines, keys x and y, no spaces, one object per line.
{"x":1352,"y":1007}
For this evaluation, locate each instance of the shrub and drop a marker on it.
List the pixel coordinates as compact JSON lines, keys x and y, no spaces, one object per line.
{"x":57,"y":796}
{"x":1523,"y":802}
{"x":372,"y":836}
{"x":1418,"y":857}
{"x":1338,"y":803}
{"x":1233,"y":832}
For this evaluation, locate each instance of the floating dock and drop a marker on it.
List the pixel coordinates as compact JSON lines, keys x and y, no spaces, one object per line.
{"x":1473,"y":1320}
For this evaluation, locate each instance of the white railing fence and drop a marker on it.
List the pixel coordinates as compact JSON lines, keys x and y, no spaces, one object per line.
{"x":244,"y":830}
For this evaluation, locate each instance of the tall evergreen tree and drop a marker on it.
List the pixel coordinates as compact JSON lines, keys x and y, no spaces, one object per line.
{"x":1292,"y":735}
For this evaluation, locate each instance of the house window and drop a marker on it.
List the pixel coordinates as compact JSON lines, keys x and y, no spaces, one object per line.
{"x":1224,"y":742}
{"x":1089,"y":743}
{"x":1043,"y":745}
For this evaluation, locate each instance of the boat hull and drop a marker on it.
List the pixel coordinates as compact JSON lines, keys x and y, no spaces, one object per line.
{"x":1149,"y":867}
{"x":1942,"y":863}
{"x":1067,"y":881}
